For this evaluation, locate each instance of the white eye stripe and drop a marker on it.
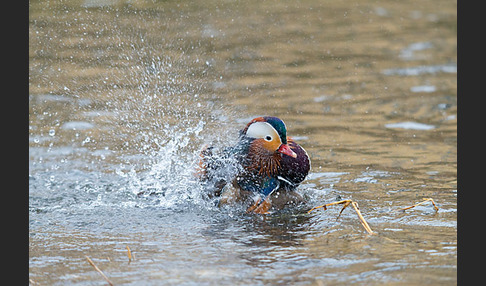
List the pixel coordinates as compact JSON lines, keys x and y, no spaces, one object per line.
{"x":262,"y":130}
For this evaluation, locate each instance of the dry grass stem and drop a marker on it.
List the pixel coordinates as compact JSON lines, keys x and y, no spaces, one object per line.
{"x":129,"y":252}
{"x":423,"y":202}
{"x":361,"y":218}
{"x":346,"y":203}
{"x":364,"y":223}
{"x":99,"y":271}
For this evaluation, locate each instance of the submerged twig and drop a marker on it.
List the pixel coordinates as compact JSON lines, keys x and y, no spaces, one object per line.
{"x":346,"y":203}
{"x":423,"y":202}
{"x":99,"y":271}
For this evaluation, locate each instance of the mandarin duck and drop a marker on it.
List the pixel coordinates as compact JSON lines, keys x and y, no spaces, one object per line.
{"x":262,"y":170}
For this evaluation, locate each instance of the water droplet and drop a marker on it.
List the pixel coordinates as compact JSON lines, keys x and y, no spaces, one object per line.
{"x":87,"y":140}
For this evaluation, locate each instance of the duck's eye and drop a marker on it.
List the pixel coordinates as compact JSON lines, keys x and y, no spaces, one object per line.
{"x":268,"y":138}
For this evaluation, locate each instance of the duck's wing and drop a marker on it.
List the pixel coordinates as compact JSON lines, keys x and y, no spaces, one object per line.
{"x":216,"y":168}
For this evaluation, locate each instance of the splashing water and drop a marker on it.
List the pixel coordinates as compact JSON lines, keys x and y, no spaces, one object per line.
{"x":160,"y":126}
{"x":171,"y":178}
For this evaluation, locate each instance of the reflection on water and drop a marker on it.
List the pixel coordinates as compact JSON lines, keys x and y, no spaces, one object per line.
{"x":124,"y":94}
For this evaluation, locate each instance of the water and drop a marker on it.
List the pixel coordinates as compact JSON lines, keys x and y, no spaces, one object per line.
{"x":124,"y":95}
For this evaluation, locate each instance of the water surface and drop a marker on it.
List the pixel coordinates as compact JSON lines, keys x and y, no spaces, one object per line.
{"x":124,"y":94}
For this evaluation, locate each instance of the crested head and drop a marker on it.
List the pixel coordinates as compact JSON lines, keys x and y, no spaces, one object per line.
{"x":270,"y":133}
{"x":275,"y":123}
{"x":279,"y":126}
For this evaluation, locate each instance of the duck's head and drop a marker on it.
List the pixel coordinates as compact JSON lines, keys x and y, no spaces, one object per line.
{"x":270,"y":134}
